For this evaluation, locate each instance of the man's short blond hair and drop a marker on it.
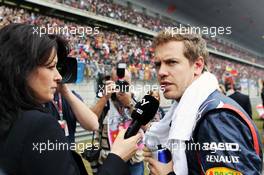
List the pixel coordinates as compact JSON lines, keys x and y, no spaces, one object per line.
{"x":194,"y":44}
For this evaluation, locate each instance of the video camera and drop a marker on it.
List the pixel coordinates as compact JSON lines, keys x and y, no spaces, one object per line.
{"x":67,"y":68}
{"x":121,"y":84}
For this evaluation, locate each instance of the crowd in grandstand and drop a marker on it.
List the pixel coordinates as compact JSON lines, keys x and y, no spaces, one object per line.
{"x":131,"y":15}
{"x":234,"y":51}
{"x":119,"y":12}
{"x":107,"y":47}
{"x":222,"y":68}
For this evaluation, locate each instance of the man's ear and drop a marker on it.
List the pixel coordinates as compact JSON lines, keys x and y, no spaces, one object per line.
{"x":198,"y":66}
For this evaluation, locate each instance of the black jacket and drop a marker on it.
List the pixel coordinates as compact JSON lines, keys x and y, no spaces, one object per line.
{"x":227,"y":137}
{"x":32,"y":147}
{"x":243,"y":100}
{"x":24,"y":152}
{"x":114,"y":165}
{"x":224,"y":141}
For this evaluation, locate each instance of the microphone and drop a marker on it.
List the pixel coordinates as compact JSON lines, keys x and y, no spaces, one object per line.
{"x":144,"y":111}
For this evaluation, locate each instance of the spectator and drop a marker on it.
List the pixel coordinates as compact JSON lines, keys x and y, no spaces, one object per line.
{"x":108,"y":47}
{"x":222,"y":89}
{"x":242,"y":99}
{"x":115,"y":110}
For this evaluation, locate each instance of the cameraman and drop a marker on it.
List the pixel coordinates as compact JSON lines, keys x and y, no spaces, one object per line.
{"x":115,"y":108}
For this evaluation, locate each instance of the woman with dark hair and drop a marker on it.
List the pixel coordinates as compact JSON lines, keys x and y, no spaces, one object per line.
{"x":31,"y":140}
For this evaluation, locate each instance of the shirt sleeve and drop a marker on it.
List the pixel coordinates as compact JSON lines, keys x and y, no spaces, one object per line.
{"x":226,"y":145}
{"x":77,"y":95}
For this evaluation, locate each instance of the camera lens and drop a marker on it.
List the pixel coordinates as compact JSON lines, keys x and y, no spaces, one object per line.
{"x":122,"y":86}
{"x":67,"y":68}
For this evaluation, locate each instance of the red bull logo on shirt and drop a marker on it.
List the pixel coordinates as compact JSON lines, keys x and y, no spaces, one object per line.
{"x":222,"y":171}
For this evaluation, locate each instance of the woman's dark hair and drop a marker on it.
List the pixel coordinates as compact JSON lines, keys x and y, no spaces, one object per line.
{"x":22,"y":50}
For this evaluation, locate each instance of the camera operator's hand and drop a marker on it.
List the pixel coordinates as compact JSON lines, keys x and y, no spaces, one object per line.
{"x":109,"y":88}
{"x":125,"y":148}
{"x":124,"y":98}
{"x":63,"y":89}
{"x":83,"y":113}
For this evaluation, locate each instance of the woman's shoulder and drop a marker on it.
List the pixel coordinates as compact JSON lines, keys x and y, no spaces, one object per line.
{"x":34,"y":120}
{"x":37,"y":126}
{"x":33,"y":112}
{"x":35,"y":116}
{"x":29,"y":124}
